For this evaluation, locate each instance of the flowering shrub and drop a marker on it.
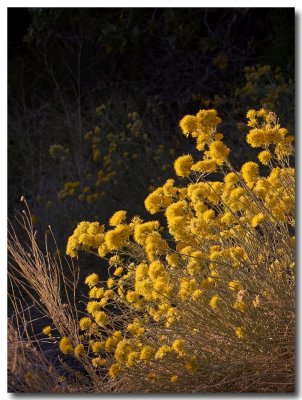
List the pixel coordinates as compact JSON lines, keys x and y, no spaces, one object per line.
{"x":207,"y":302}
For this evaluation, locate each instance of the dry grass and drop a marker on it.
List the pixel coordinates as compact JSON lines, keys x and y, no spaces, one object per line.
{"x":42,"y":278}
{"x":42,"y":289}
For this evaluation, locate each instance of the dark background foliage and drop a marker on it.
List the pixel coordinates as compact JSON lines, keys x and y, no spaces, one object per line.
{"x":160,"y":62}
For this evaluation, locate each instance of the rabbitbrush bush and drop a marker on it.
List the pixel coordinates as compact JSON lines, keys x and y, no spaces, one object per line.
{"x":204,"y":302}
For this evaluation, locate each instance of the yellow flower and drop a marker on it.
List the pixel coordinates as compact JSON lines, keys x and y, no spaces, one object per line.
{"x":257,"y":219}
{"x":157,"y":200}
{"x":132,"y":357}
{"x":250,"y":171}
{"x":118,"y":271}
{"x":65,"y":345}
{"x":256,"y":138}
{"x":79,"y":350}
{"x":101,"y":318}
{"x":71,"y":248}
{"x":205,"y":166}
{"x":239,"y":332}
{"x":156,"y":269}
{"x":47,"y":330}
{"x":85,"y":323}
{"x":202,"y":140}
{"x":208,"y":216}
{"x":218,"y":151}
{"x":162,"y":351}
{"x":116,"y":239}
{"x":196,"y":262}
{"x":155,"y":246}
{"x":251,"y":114}
{"x":110,"y":344}
{"x":237,"y":252}
{"x":208,"y":120}
{"x":178,"y":345}
{"x":142,"y":231}
{"x":98,"y":362}
{"x":264,"y":157}
{"x":114,"y":370}
{"x":196,"y":294}
{"x":172,"y":260}
{"x":231,"y":177}
{"x":96,"y":155}
{"x":109,"y":294}
{"x":228,"y":218}
{"x":188,"y":124}
{"x":55,"y":149}
{"x":92,"y":280}
{"x":93,"y":306}
{"x":177,"y":209}
{"x":147,"y":353}
{"x":141,"y":272}
{"x":103,"y":250}
{"x":283,"y":149}
{"x":237,"y":193}
{"x":123,"y":348}
{"x":234,"y":285}
{"x":110,"y":283}
{"x":95,"y":228}
{"x":183,"y":164}
{"x":136,"y":329}
{"x":132,"y":296}
{"x":118,"y":218}
{"x":96,"y":293}
{"x":114,"y":260}
{"x":97,"y":347}
{"x":214,"y":300}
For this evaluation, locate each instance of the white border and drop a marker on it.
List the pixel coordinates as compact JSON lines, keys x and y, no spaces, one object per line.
{"x":3,"y":148}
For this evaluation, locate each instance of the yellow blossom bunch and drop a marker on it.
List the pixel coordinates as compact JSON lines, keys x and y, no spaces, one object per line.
{"x":266,"y":131}
{"x":70,"y":189}
{"x":212,"y":285}
{"x":86,"y":235}
{"x":58,"y":151}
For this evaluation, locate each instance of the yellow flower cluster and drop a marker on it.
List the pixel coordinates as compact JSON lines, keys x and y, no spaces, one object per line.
{"x":57,"y":150}
{"x":204,"y":122}
{"x":202,"y":126}
{"x":265,"y":132}
{"x":47,"y":330}
{"x":183,"y":165}
{"x":70,"y":189}
{"x":117,"y":218}
{"x":86,"y":235}
{"x":65,"y":345}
